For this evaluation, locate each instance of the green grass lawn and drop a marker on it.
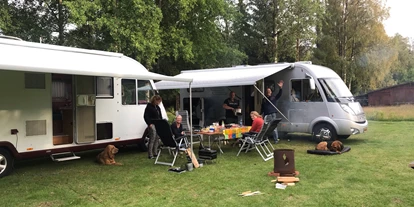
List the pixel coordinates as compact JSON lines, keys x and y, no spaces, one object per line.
{"x":374,"y":173}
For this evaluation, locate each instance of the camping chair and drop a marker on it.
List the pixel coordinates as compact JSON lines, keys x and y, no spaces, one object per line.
{"x":186,"y":125}
{"x":260,"y":141}
{"x":169,"y":142}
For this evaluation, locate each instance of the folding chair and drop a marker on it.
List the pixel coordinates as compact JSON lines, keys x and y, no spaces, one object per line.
{"x":186,"y":125}
{"x":260,"y":141}
{"x":169,"y":142}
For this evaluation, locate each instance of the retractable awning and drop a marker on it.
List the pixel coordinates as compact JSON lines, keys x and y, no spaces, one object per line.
{"x":35,"y":57}
{"x":219,"y":77}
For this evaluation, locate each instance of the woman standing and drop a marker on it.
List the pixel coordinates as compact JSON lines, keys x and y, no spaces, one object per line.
{"x":152,"y":112}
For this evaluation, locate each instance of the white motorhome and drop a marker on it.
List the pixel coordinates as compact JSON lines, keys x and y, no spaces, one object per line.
{"x":59,"y":100}
{"x":314,"y":98}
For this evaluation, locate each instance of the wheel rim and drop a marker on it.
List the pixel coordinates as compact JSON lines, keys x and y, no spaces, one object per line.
{"x":3,"y":163}
{"x":324,"y":134}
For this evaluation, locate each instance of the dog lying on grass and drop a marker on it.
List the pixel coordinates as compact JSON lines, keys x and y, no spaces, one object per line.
{"x":107,"y":157}
{"x":335,"y":146}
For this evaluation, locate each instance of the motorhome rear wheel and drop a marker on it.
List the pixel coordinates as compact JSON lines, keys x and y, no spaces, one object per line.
{"x":324,"y":132}
{"x":6,"y":162}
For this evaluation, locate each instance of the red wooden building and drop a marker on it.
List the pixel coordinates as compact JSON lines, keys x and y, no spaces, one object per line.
{"x":393,"y":95}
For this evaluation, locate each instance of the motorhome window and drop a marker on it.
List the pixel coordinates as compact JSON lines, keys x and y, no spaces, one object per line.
{"x":336,"y":88}
{"x":104,"y":87}
{"x":35,"y":80}
{"x":144,"y":91}
{"x":129,"y":93}
{"x":61,"y":89}
{"x":296,"y":91}
{"x":301,"y":91}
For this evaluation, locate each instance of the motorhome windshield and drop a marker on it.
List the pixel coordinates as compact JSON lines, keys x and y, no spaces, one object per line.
{"x":335,"y":88}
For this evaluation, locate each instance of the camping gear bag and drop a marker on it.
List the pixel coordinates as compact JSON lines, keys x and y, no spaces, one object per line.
{"x":207,"y":154}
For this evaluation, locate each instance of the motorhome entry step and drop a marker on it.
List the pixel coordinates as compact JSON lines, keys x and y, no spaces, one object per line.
{"x":64,"y":156}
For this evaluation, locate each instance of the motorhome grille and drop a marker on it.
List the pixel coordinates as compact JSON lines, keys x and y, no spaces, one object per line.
{"x":35,"y":80}
{"x":35,"y":127}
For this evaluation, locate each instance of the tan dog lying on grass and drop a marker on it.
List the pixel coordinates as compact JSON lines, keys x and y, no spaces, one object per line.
{"x":107,"y":157}
{"x":335,"y":146}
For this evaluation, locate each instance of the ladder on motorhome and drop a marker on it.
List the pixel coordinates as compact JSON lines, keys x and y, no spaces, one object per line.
{"x":64,"y":156}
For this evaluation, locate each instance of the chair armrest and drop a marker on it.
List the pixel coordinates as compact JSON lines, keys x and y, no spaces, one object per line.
{"x":181,"y":137}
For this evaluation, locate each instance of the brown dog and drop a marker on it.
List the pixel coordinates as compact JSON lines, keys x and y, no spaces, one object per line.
{"x":322,"y":146}
{"x":335,"y":146}
{"x":107,"y":157}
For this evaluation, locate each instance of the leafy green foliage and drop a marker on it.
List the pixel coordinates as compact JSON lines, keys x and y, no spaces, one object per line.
{"x":168,"y":36}
{"x":129,"y":27}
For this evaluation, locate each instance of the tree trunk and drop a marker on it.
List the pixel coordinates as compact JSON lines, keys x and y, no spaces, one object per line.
{"x":275,"y":29}
{"x":61,"y":25}
{"x":297,"y":50}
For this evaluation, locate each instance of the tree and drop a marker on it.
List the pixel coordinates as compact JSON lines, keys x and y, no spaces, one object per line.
{"x":350,"y":35}
{"x":129,"y":27}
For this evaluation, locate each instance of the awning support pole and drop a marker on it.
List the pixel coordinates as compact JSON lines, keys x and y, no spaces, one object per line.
{"x":191,"y":118}
{"x":270,"y":103}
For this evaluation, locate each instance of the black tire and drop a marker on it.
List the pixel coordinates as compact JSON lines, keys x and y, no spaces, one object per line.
{"x":343,"y":136}
{"x":6,"y":162}
{"x":324,"y":132}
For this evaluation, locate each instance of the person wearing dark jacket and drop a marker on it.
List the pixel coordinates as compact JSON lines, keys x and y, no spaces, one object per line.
{"x":269,"y":111}
{"x":177,"y":127}
{"x":152,"y":112}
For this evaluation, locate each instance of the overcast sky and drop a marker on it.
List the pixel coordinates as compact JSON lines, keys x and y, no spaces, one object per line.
{"x":401,"y":17}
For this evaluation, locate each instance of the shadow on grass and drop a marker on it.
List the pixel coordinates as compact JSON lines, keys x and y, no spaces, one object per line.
{"x":26,"y":165}
{"x":307,"y":139}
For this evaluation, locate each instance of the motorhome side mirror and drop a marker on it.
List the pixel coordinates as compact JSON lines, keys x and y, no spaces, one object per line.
{"x":312,"y":84}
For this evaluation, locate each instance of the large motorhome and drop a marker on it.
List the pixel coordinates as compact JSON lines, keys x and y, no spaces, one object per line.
{"x":56,"y":100}
{"x":314,"y":98}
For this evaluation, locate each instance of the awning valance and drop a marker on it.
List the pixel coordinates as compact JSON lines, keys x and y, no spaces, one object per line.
{"x":219,"y":77}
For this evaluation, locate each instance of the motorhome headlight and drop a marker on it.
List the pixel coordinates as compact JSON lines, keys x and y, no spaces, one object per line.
{"x":347,"y":109}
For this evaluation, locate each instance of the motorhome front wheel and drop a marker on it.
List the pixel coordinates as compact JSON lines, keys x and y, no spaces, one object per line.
{"x":324,"y":132}
{"x":6,"y":162}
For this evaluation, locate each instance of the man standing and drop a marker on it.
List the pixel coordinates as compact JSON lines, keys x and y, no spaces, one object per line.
{"x":231,"y":104}
{"x":268,"y":111}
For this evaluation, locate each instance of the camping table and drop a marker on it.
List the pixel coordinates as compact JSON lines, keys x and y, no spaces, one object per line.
{"x":228,"y":134}
{"x":211,"y":134}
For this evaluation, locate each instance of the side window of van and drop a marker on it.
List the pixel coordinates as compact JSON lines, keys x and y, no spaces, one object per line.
{"x":104,"y":87}
{"x":129,"y":93}
{"x":301,"y":91}
{"x":144,"y":91}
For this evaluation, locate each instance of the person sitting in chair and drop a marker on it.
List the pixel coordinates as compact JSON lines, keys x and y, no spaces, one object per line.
{"x":256,"y":125}
{"x":177,"y":127}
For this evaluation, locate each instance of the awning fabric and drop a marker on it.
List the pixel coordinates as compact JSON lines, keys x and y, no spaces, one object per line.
{"x":35,"y":57}
{"x":219,"y":77}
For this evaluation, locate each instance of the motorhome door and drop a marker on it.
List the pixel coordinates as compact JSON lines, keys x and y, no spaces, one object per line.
{"x":85,"y":109}
{"x":198,"y":110}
